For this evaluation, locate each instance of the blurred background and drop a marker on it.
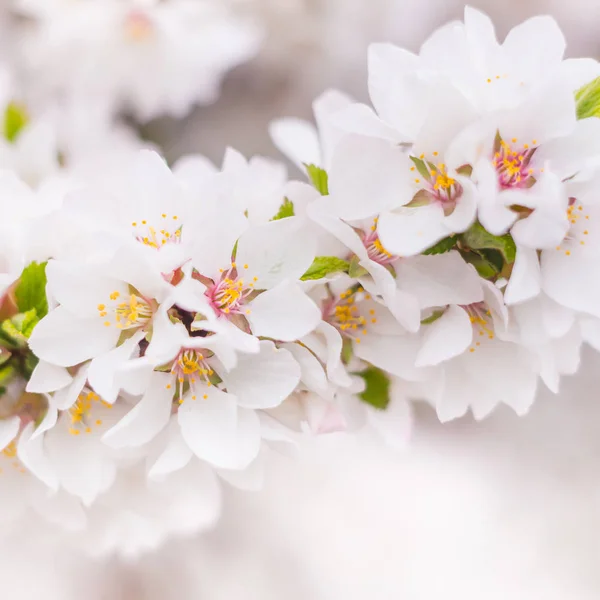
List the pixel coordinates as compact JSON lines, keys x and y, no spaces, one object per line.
{"x":508,"y":508}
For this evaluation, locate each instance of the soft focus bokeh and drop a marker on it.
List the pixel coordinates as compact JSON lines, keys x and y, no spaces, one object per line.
{"x":508,"y":508}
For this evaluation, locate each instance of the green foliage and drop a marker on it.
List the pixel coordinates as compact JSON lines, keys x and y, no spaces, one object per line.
{"x":588,"y":100}
{"x":15,"y":332}
{"x":433,"y":317}
{"x":30,"y":292}
{"x":285,"y":210}
{"x":478,"y":238}
{"x":15,"y":119}
{"x":442,"y":246}
{"x":319,"y":179}
{"x":325,"y":265}
{"x":377,"y":390}
{"x":355,"y":269}
{"x":485,"y":268}
{"x":422,"y":167}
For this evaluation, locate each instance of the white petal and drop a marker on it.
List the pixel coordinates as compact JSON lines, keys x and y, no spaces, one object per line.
{"x":297,"y":140}
{"x":65,"y":340}
{"x":526,"y":278}
{"x":82,"y":464}
{"x":409,"y":231}
{"x":284,"y":313}
{"x":31,"y":453}
{"x":368,"y":176}
{"x":147,"y":418}
{"x":216,"y":431}
{"x":568,"y":281}
{"x":439,"y":280}
{"x":312,"y":373}
{"x":47,"y":377}
{"x":395,"y":354}
{"x":276,"y":251}
{"x":393,"y":424}
{"x":263,"y":380}
{"x":445,"y":338}
{"x":250,"y":479}
{"x":9,"y":428}
{"x":175,"y":455}
{"x":103,"y":369}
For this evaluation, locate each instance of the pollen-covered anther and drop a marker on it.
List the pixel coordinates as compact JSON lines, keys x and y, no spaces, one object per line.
{"x":156,"y":236}
{"x":133,"y":313}
{"x":80,"y":413}
{"x":346,"y":317}
{"x":481,"y":320}
{"x":375,"y":249}
{"x":229,"y":295}
{"x":190,"y":369}
{"x":512,"y":163}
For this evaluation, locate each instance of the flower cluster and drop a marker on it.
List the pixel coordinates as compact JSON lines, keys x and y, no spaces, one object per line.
{"x":164,"y":328}
{"x":146,"y":57}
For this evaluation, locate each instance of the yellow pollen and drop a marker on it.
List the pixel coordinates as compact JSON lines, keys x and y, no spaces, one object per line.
{"x":205,"y":397}
{"x":435,"y":153}
{"x":567,"y":252}
{"x":101,"y":306}
{"x":134,"y":224}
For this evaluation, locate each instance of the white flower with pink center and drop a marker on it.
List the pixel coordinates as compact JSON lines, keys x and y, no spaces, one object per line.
{"x":216,"y":394}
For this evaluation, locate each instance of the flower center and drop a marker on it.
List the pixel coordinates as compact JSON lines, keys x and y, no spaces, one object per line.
{"x":346,"y":316}
{"x":80,"y":413}
{"x":229,"y":295}
{"x":513,"y":165}
{"x":435,"y":184}
{"x":190,"y":369}
{"x":131,"y":313}
{"x":156,"y":236}
{"x":375,"y":249}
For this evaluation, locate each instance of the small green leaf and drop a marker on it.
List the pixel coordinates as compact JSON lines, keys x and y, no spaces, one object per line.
{"x":478,"y":238}
{"x":7,"y":372}
{"x":347,"y":351}
{"x":15,"y":119}
{"x":28,"y":364}
{"x":421,"y":167}
{"x":30,"y":292}
{"x":442,"y":246}
{"x":484,"y":267}
{"x":285,"y":210}
{"x":325,"y":265}
{"x":433,"y":317}
{"x":355,"y":269}
{"x":377,"y":390}
{"x":588,"y":100}
{"x":319,"y":179}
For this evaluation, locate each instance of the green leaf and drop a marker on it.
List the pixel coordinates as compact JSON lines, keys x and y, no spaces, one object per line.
{"x":355,"y":269}
{"x":433,"y":317}
{"x":347,"y":350}
{"x":442,"y":246}
{"x":478,"y":238}
{"x":319,"y":179}
{"x":285,"y":210}
{"x":588,"y":100}
{"x":29,"y":364}
{"x":30,"y":292}
{"x":7,"y":372}
{"x":15,"y":119}
{"x":325,"y":265}
{"x":484,"y":267}
{"x":421,"y":167}
{"x":377,"y":391}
